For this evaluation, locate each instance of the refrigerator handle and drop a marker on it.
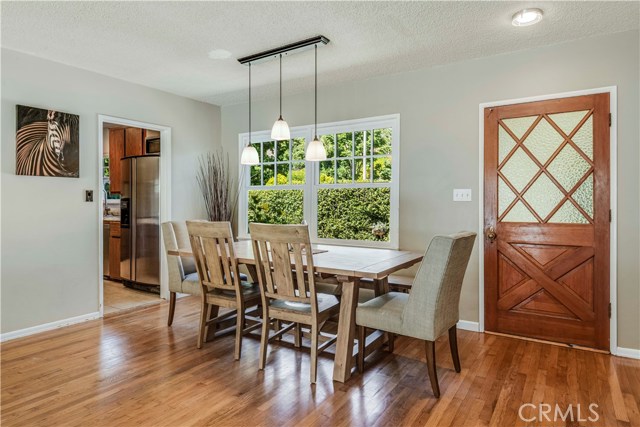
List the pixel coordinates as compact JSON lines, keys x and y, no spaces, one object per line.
{"x":133,"y":215}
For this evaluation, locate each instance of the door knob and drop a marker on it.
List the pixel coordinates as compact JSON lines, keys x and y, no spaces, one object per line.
{"x":491,"y":234}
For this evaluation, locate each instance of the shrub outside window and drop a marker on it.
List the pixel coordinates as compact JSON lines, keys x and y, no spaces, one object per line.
{"x":351,"y":198}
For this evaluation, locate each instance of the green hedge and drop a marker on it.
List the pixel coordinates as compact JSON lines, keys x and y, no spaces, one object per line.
{"x":343,"y":213}
{"x":276,"y":206}
{"x":350,"y":213}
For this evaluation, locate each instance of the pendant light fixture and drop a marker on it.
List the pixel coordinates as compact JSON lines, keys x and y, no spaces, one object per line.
{"x":249,"y":153}
{"x":316,"y":151}
{"x":280,"y":130}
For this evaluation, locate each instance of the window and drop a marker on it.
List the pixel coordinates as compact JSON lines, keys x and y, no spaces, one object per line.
{"x":351,"y":198}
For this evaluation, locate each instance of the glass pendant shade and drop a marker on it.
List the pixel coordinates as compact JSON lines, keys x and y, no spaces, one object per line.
{"x":280,"y":130}
{"x":249,"y":156}
{"x":316,"y":151}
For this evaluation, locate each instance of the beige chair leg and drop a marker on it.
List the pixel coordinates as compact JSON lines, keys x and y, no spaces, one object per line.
{"x":202,"y":330}
{"x":172,"y":307}
{"x":239,"y":328}
{"x":362,"y":337}
{"x":314,"y":353}
{"x":263,"y":341}
{"x":391,"y":339}
{"x":430,"y":348}
{"x":298,"y":335}
{"x":453,"y":344}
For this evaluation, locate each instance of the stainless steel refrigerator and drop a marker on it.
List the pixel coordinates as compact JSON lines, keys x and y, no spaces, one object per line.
{"x":140,"y":223}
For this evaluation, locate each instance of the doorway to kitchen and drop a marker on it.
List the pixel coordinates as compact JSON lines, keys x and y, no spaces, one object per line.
{"x":134,"y":184}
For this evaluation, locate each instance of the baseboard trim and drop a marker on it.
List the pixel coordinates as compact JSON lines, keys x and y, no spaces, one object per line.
{"x":467,"y":325}
{"x":48,"y":326}
{"x":632,"y":353}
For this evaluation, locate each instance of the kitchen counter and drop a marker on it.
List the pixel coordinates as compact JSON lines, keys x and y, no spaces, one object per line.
{"x":111,"y":218}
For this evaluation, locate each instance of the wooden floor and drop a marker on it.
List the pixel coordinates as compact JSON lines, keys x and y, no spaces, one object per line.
{"x":133,"y":370}
{"x":118,"y":298}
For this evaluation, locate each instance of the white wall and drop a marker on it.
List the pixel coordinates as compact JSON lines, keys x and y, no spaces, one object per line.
{"x":49,"y":234}
{"x":439,"y":139}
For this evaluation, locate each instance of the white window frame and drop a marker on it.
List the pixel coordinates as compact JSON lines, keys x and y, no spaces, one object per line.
{"x":245,"y":177}
{"x":312,"y":172}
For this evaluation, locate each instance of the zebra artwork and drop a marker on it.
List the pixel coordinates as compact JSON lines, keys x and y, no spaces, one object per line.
{"x":47,"y":143}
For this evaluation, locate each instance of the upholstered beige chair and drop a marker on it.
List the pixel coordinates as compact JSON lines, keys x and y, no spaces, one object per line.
{"x":430,"y":309}
{"x":183,"y":277}
{"x":222,"y":286}
{"x":283,"y":254}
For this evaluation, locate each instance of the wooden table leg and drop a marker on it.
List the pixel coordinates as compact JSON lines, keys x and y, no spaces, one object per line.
{"x":346,"y":329}
{"x":384,"y":285}
{"x":381,"y":286}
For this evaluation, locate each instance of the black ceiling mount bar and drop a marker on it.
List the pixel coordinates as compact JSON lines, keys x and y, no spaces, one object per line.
{"x":283,"y":50}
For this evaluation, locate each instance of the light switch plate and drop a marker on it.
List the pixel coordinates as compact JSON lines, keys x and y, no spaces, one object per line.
{"x":88,"y":195}
{"x":461,"y":194}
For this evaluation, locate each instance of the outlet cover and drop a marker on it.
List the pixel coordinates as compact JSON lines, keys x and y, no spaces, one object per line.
{"x":461,"y":194}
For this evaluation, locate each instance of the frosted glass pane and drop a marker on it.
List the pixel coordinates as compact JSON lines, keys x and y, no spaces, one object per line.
{"x":568,"y":167}
{"x":519,"y":125}
{"x":543,"y":141}
{"x":568,"y":214}
{"x":543,"y":196}
{"x":505,"y":144}
{"x":519,"y":213}
{"x":519,"y":169}
{"x":568,"y":121}
{"x":584,"y":138}
{"x":584,"y":195}
{"x":505,"y":196}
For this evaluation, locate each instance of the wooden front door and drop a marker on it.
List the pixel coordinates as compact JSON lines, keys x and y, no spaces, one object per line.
{"x":546,"y":213}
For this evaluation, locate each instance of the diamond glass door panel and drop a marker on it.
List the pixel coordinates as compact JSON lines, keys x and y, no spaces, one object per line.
{"x":547,"y":200}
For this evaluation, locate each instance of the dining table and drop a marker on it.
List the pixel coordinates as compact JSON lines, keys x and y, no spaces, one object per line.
{"x":349,"y":265}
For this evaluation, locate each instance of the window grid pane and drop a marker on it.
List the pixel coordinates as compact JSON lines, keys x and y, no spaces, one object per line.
{"x":372,"y":145}
{"x":278,"y":161}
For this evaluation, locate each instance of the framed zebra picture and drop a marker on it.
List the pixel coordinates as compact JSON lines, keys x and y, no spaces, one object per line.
{"x":47,"y":142}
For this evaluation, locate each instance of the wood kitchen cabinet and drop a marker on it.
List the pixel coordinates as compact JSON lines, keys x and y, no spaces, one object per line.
{"x":116,"y":153}
{"x":114,"y":250}
{"x":133,"y":142}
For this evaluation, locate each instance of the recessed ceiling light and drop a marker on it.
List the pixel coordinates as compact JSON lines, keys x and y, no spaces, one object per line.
{"x":527,"y":17}
{"x":219,"y":54}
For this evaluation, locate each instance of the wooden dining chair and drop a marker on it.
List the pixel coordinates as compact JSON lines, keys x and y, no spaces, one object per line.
{"x":222,"y":285}
{"x":431,"y":309}
{"x":283,"y":254}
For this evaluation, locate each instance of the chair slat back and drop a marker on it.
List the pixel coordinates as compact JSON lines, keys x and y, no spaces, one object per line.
{"x":212,"y":246}
{"x":283,"y":253}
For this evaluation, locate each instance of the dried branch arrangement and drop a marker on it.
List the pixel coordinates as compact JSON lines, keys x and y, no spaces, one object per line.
{"x":216,"y":186}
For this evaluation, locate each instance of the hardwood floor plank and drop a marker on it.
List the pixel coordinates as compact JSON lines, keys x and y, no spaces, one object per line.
{"x":131,"y":369}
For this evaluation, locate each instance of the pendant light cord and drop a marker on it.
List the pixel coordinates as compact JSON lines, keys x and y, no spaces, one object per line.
{"x":315,"y":129}
{"x":281,"y":86}
{"x":249,"y":103}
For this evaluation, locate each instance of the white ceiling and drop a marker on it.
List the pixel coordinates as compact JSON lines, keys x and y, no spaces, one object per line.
{"x":166,"y":45}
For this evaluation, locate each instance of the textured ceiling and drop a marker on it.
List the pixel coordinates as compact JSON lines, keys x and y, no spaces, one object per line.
{"x":166,"y":45}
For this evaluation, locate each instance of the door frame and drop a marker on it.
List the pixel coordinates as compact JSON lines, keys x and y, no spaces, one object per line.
{"x":165,"y":195}
{"x":613,"y":192}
